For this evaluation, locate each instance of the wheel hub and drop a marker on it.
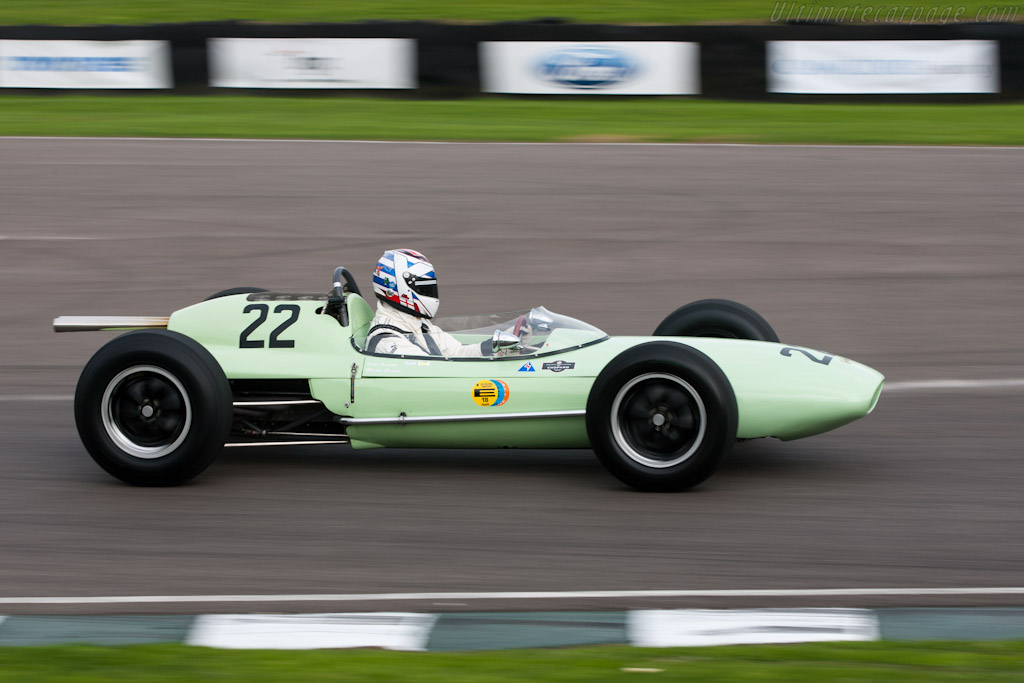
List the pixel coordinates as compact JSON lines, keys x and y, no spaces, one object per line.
{"x":146,"y":411}
{"x":658,"y":420}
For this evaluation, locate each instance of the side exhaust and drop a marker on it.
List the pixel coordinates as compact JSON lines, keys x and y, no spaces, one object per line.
{"x":96,"y":323}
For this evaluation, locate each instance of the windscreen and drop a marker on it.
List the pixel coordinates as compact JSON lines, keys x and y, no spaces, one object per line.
{"x":540,"y":330}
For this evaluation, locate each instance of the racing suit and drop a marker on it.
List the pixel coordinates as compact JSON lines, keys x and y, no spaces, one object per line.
{"x":402,"y":334}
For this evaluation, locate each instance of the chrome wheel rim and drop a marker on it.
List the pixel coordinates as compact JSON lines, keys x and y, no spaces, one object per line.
{"x":146,"y":412}
{"x":658,"y":420}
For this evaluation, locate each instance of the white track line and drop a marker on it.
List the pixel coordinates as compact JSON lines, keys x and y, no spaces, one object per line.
{"x":35,"y":398}
{"x":919,"y":387}
{"x":512,"y":144}
{"x":525,"y":595}
{"x":925,"y":386}
{"x":49,"y":238}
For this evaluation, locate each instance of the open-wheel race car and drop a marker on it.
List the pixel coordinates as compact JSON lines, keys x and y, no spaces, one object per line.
{"x":247,"y":367}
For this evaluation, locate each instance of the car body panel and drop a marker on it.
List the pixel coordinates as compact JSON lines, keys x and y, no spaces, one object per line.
{"x":321,"y":345}
{"x":782,"y":391}
{"x":564,"y":432}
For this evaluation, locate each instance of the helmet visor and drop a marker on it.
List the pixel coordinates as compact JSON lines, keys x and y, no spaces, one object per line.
{"x":424,"y":286}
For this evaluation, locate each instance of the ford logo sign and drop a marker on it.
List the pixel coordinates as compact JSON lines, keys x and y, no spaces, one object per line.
{"x":587,"y":67}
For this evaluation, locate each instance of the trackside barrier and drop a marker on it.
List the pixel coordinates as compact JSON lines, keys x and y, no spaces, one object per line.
{"x":422,"y":59}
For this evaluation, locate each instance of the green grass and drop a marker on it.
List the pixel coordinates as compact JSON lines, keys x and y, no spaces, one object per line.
{"x":848,"y":662}
{"x":640,"y":120}
{"x":601,"y":11}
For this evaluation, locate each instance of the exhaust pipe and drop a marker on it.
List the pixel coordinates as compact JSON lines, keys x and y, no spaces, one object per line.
{"x":96,"y":323}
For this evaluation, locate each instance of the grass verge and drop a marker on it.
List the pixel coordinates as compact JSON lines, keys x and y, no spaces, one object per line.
{"x":593,"y":11}
{"x":931,"y":662}
{"x":487,"y":119}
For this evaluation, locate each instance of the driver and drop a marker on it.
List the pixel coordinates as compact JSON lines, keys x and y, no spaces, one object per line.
{"x":406,"y":289}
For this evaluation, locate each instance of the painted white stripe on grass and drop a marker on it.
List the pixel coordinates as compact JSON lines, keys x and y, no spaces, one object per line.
{"x":320,"y":141}
{"x":388,"y":630}
{"x":512,"y":595}
{"x":697,"y":628}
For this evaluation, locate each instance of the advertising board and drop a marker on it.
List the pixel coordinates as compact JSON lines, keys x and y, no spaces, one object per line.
{"x":582,"y":68}
{"x":85,"y":64}
{"x":877,"y":67}
{"x":312,"y":63}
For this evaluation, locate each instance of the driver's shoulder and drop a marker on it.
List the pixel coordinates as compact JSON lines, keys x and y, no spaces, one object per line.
{"x":382,"y":323}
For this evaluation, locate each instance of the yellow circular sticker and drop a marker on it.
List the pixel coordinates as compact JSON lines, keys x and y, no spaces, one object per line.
{"x":490,"y":392}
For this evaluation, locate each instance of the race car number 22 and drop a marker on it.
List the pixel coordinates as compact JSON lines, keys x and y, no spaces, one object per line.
{"x":263,"y":311}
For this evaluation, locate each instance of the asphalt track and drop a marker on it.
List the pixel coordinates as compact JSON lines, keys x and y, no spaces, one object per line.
{"x":906,"y":259}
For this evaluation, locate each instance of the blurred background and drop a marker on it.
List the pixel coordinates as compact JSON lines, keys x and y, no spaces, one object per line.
{"x":178,"y":150}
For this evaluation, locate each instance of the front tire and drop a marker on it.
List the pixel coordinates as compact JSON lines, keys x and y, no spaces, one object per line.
{"x":153,"y":408}
{"x":661,"y":416}
{"x":716,"y":318}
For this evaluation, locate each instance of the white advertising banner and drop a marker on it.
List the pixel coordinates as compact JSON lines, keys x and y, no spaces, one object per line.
{"x":882,"y":67}
{"x":325,"y":63}
{"x":579,"y":68}
{"x":86,"y":64}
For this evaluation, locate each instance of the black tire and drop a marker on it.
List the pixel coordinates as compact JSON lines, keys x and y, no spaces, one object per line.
{"x":236,"y":290}
{"x":153,"y":408}
{"x":716,"y":318}
{"x":698,"y":416}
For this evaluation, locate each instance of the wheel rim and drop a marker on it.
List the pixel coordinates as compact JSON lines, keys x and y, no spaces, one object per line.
{"x":146,"y":411}
{"x":658,"y":420}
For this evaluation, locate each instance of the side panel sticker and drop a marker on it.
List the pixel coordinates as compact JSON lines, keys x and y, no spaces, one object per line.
{"x":490,"y":393}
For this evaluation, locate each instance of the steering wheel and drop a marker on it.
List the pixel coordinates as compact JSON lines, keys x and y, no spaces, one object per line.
{"x":343,"y":282}
{"x":521,"y":332}
{"x":341,"y":274}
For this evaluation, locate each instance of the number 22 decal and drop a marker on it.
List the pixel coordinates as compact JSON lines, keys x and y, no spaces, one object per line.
{"x":275,"y":342}
{"x":824,"y":360}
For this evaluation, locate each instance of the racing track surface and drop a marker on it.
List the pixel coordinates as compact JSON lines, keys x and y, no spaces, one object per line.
{"x":906,"y":259}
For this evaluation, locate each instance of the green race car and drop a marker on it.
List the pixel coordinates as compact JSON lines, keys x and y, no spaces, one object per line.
{"x":246,"y":367}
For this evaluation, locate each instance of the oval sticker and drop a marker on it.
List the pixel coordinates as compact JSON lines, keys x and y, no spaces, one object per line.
{"x":490,"y":392}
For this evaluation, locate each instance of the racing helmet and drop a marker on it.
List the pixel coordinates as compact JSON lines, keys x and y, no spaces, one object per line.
{"x":405,"y":279}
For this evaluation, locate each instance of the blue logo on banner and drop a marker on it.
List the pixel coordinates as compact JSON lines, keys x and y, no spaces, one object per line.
{"x":79,"y":64}
{"x":527,"y":367}
{"x":587,"y":67}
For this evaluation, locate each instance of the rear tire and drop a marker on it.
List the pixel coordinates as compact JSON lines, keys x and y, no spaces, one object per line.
{"x":153,"y":408}
{"x":236,"y":290}
{"x":717,"y":318}
{"x":661,"y":416}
